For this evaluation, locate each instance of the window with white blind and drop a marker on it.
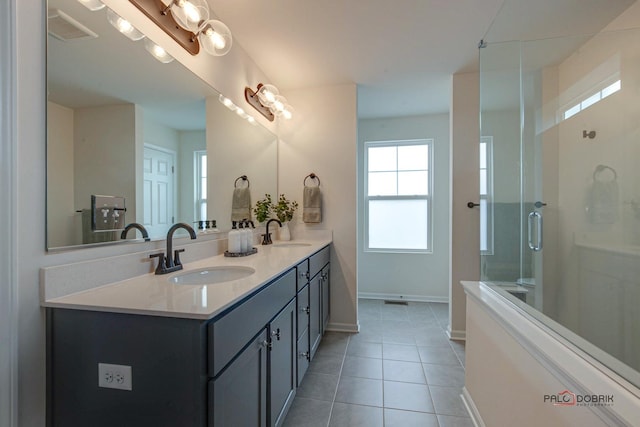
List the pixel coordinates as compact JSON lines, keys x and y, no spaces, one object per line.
{"x":398,"y":191}
{"x":486,"y":195}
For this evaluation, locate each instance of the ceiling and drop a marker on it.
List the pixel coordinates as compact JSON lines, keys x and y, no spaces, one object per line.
{"x":400,"y":53}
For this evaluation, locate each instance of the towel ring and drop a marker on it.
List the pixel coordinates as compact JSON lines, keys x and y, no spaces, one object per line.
{"x":312,"y":176}
{"x":601,"y":168}
{"x":244,"y":178}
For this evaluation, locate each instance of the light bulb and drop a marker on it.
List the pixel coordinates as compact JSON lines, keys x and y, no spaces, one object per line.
{"x":287,"y":112}
{"x":267,"y":94}
{"x":190,"y":13}
{"x":123,"y":26}
{"x":157,"y":52}
{"x":278,"y":104}
{"x":251,"y":120}
{"x":215,"y":37}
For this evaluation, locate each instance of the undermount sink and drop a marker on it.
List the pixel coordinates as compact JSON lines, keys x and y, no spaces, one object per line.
{"x":290,"y":245}
{"x":211,"y":275}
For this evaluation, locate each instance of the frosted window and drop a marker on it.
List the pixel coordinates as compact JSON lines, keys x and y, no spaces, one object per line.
{"x":483,"y":181}
{"x":398,"y":224}
{"x":572,"y":111}
{"x":484,"y":232}
{"x":590,"y":101}
{"x":413,"y":183}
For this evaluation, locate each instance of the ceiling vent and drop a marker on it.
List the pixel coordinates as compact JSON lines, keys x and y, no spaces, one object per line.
{"x":65,"y":28}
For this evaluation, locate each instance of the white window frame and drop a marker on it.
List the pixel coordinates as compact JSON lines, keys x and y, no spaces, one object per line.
{"x":429,"y":142}
{"x":488,"y":197}
{"x":197,"y":186}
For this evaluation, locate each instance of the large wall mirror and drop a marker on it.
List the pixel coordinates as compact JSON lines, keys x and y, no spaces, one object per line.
{"x":120,"y":123}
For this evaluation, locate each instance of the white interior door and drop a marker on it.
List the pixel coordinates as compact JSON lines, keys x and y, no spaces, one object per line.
{"x":159,"y":181}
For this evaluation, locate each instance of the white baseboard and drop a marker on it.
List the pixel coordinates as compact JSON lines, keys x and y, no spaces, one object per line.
{"x":343,"y":327}
{"x":398,"y":297}
{"x":456,"y":335}
{"x":471,"y":408}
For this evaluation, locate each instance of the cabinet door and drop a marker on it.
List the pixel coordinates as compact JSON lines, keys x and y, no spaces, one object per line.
{"x":282,"y":375}
{"x":238,"y":397}
{"x":325,"y":297}
{"x":315,"y":313}
{"x":303,"y":356}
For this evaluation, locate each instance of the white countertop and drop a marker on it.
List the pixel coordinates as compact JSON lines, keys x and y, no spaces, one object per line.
{"x":154,"y":295}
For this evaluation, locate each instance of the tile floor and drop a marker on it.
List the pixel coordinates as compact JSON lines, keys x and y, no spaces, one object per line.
{"x":400,"y":370}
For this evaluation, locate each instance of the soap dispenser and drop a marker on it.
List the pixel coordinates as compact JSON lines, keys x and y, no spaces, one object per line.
{"x":234,"y":239}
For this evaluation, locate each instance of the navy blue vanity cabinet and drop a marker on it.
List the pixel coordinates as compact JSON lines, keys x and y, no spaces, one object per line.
{"x":168,"y":370}
{"x":318,"y":297}
{"x":240,"y":368}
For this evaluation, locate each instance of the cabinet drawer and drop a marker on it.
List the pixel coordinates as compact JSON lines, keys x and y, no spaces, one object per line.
{"x":228,"y":335}
{"x":303,"y":273}
{"x":303,"y":310}
{"x":318,"y":260}
{"x":303,"y":356}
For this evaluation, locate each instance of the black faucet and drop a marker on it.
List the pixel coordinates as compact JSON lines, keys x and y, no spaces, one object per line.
{"x":145,"y":234}
{"x":266,"y":237}
{"x":169,"y":263}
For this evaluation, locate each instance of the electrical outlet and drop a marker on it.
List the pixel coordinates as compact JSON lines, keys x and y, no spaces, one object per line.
{"x":114,"y":376}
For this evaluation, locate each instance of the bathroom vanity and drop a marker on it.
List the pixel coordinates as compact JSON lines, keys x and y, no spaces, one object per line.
{"x":224,"y":354}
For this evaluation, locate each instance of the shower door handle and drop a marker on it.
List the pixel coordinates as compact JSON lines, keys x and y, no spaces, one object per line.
{"x":535,"y":219}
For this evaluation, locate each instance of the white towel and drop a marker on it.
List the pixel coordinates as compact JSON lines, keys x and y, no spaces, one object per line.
{"x":241,"y":204}
{"x":312,"y":205}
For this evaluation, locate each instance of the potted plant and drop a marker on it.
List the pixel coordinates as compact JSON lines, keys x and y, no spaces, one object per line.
{"x":263,"y":208}
{"x":284,"y":211}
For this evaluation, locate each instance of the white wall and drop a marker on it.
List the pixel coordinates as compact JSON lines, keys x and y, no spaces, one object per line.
{"x":235,"y":149}
{"x":60,"y":182}
{"x":465,"y":222}
{"x":8,"y":261}
{"x":322,"y":138}
{"x":422,"y":277}
{"x":98,"y":145}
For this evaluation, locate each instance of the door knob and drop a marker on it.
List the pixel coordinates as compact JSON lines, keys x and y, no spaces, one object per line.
{"x":472,"y":205}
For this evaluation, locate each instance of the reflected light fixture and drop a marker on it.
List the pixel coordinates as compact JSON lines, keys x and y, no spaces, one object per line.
{"x":157,"y":51}
{"x":239,"y":111}
{"x":268,"y":101}
{"x":92,"y":5}
{"x":123,"y":26}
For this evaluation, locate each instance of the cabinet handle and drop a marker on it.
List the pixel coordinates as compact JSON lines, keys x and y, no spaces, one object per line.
{"x":266,"y":344}
{"x":276,"y":334}
{"x":304,"y":354}
{"x":305,"y":310}
{"x":304,"y":275}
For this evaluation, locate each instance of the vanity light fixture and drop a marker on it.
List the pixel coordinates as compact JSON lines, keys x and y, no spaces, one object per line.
{"x":188,"y":23}
{"x":92,"y":5}
{"x":268,"y":101}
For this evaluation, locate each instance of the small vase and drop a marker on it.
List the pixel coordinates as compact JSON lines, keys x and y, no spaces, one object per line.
{"x":285,"y":233}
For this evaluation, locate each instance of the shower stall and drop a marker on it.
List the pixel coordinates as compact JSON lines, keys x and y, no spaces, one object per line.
{"x":560,"y":178}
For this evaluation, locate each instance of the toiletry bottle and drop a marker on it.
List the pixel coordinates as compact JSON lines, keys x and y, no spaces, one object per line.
{"x":234,"y":239}
{"x":243,"y":237}
{"x":250,"y":227}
